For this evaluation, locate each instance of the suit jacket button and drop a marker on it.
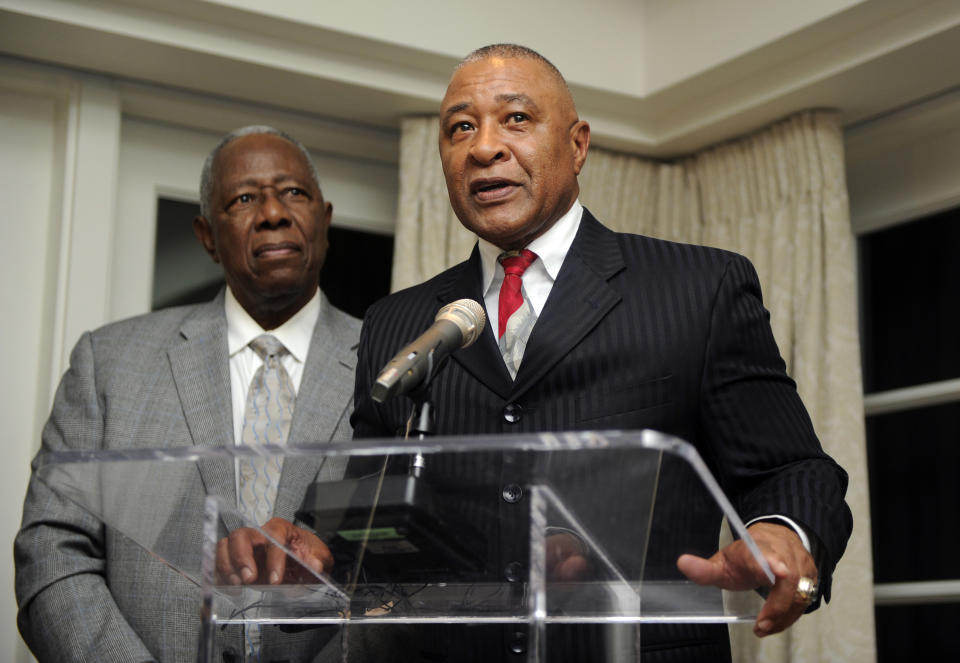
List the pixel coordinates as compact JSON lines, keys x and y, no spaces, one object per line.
{"x":512,"y":493}
{"x":518,"y":642}
{"x":512,"y":413}
{"x":513,"y":572}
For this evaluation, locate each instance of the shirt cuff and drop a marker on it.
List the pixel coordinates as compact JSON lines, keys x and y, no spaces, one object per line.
{"x":804,"y":538}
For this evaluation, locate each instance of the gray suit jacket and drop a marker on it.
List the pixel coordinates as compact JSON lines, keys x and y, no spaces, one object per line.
{"x":86,"y":592}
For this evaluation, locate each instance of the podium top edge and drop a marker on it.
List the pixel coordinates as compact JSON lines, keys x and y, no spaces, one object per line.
{"x":533,"y":442}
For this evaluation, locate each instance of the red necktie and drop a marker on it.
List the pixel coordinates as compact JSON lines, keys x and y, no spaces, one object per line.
{"x":514,"y":263}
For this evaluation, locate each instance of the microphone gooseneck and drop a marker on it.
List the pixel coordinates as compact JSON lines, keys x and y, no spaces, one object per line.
{"x":456,"y":325}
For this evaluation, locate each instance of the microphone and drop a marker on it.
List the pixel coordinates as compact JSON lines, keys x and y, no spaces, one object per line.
{"x":456,"y":326}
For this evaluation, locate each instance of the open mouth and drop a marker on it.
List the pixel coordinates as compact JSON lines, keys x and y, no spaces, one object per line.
{"x":492,"y":189}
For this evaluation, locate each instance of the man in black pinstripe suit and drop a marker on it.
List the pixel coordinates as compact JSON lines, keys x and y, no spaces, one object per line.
{"x":630,"y":333}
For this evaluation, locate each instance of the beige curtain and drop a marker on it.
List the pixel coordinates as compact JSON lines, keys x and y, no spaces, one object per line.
{"x":429,"y":238}
{"x":780,"y":198}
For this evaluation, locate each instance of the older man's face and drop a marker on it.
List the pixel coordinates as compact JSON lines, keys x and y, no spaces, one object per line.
{"x":268,"y":226}
{"x":511,"y":148}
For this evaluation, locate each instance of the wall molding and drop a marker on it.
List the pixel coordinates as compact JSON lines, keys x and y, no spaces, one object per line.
{"x":905,"y":164}
{"x":862,"y":58}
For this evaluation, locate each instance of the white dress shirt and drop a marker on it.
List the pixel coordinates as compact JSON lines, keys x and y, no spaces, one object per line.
{"x":551,"y":248}
{"x":295,"y":334}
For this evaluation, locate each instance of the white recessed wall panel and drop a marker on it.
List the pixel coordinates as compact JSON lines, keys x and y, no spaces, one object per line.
{"x":28,"y":185}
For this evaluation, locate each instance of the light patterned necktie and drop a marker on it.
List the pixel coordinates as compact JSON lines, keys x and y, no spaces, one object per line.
{"x":266,"y":420}
{"x":516,"y":315}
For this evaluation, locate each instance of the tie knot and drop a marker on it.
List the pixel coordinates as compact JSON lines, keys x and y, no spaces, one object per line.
{"x":516,"y":262}
{"x":267,"y":345}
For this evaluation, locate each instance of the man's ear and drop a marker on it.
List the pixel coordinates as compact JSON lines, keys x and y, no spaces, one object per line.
{"x":204,"y":233}
{"x":580,"y":142}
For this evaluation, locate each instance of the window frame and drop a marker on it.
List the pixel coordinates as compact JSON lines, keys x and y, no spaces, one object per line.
{"x":903,"y":167}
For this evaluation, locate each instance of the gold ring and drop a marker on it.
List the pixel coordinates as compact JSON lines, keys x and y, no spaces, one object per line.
{"x":806,"y":589}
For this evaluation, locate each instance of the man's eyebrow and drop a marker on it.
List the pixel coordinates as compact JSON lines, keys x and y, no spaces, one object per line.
{"x":237,"y":184}
{"x":286,"y":177}
{"x":255,"y":183}
{"x":506,"y":98}
{"x":518,"y":97}
{"x":456,"y":108}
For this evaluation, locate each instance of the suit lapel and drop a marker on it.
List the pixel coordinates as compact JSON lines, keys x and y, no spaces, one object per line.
{"x":482,"y":359}
{"x":201,"y":373}
{"x":580,"y":298}
{"x":321,"y":406}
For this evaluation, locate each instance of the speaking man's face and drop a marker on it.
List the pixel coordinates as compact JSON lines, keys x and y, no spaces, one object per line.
{"x":511,"y":148}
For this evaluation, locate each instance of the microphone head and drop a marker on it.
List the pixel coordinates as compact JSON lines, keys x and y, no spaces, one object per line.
{"x":466,"y":314}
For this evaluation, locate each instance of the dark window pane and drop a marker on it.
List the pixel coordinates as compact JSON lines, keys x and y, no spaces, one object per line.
{"x":183,"y":273}
{"x":918,"y":633}
{"x":914,"y":464}
{"x":355,"y":274}
{"x":910,"y":289}
{"x":357,"y":270}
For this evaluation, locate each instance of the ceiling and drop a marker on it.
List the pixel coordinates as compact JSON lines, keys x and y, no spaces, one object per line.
{"x":661,"y":78}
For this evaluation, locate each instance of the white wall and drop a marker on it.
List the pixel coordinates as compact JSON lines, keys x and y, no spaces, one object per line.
{"x":904,"y":165}
{"x":661,"y":78}
{"x":56,"y":171}
{"x":630,"y":46}
{"x":566,"y":31}
{"x":27,"y":249}
{"x":713,"y":32}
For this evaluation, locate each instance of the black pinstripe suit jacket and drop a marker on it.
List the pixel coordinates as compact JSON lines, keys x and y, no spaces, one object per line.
{"x":636,"y":333}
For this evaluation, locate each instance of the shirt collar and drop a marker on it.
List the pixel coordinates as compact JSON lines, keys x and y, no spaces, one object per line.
{"x":295,"y":333}
{"x":551,"y":247}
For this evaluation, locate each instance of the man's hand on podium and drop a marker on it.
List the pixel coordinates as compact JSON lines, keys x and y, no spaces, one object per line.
{"x":566,"y":557}
{"x":248,"y":557}
{"x":733,"y":567}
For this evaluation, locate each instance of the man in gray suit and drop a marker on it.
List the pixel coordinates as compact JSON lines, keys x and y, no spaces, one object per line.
{"x":180,"y":377}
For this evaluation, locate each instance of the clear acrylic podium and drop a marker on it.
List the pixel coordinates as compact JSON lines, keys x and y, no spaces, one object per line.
{"x":537,"y":530}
